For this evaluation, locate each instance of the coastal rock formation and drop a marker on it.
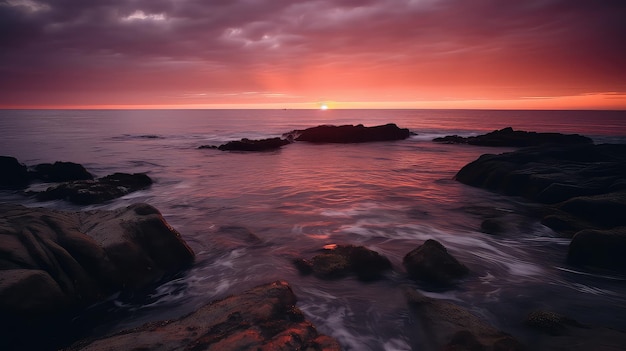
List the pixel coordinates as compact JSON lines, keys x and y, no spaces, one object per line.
{"x":582,"y":184}
{"x":85,"y":192}
{"x":349,"y":134}
{"x":515,"y":138}
{"x":250,"y":145}
{"x":60,"y":172}
{"x":13,"y":175}
{"x":263,"y":318}
{"x":338,"y":261}
{"x":52,"y":262}
{"x":432,"y":263}
{"x":446,"y":326}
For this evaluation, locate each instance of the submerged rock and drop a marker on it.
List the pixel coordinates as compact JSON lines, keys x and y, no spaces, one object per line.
{"x":432,"y":263}
{"x":263,"y":318}
{"x":558,"y":332}
{"x":446,"y":326}
{"x":254,"y":145}
{"x":85,"y":192}
{"x":339,"y":261}
{"x":60,"y":172}
{"x":13,"y":174}
{"x":349,"y":134}
{"x":54,"y":262}
{"x":515,"y":138}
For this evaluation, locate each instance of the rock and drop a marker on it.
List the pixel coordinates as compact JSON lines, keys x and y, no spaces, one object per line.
{"x":582,"y":184}
{"x":492,"y":226}
{"x":446,"y":326}
{"x":599,"y":248}
{"x":550,"y":323}
{"x":339,"y":261}
{"x":558,"y":332}
{"x":254,"y":145}
{"x":53,"y":261}
{"x":349,"y":134}
{"x":263,"y":318}
{"x":432,"y":263}
{"x":85,"y":192}
{"x":516,"y":138}
{"x":60,"y":172}
{"x":13,"y":175}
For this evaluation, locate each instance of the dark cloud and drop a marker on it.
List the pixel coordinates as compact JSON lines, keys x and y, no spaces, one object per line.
{"x":194,"y":44}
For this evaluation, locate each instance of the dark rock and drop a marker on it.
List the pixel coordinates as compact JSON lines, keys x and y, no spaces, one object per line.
{"x":446,"y":326}
{"x":516,"y":138}
{"x":339,"y":261}
{"x":492,"y":226}
{"x":254,"y":145}
{"x":53,"y":262}
{"x":207,"y":147}
{"x":583,"y":184}
{"x":557,"y":332}
{"x":349,"y":134}
{"x":599,"y":248}
{"x":13,"y":175}
{"x":60,"y":172}
{"x":550,"y":323}
{"x":263,"y":318}
{"x":432,"y":263}
{"x":85,"y":192}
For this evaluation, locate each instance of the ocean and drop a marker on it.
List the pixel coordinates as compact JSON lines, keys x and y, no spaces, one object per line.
{"x":387,"y":196}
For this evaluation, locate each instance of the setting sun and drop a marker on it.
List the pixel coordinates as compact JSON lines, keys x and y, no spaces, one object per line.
{"x":324,"y":107}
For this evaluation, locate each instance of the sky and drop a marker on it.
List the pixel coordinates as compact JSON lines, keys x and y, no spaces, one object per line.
{"x":530,"y":54}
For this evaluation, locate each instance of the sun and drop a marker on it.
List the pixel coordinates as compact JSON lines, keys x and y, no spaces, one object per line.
{"x":324,"y":107}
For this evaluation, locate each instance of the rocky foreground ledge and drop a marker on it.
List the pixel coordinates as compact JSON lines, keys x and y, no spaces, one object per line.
{"x":263,"y":318}
{"x":54,"y":263}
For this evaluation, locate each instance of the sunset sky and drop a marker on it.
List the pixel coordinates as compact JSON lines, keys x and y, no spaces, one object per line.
{"x":552,"y":54}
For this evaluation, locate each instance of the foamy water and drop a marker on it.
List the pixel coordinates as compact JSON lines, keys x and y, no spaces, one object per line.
{"x":387,"y":196}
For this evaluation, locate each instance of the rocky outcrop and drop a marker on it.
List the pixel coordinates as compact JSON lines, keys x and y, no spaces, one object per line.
{"x":349,"y":134}
{"x":582,"y":184}
{"x":515,"y":138}
{"x":60,"y":172}
{"x":447,"y":326}
{"x":263,"y":318}
{"x":52,"y":262}
{"x":86,"y":192}
{"x":432,"y":263}
{"x":13,"y":174}
{"x":338,"y":261}
{"x":250,"y":145}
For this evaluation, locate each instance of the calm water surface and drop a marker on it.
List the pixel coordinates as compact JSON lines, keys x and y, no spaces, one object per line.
{"x":388,"y":196}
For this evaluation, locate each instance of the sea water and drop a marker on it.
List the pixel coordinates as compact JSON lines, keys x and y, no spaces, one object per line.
{"x":388,"y":196}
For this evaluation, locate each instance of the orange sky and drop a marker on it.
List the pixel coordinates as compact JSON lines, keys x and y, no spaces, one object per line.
{"x":535,"y":54}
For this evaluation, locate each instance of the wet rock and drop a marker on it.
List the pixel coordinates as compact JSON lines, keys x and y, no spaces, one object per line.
{"x":339,"y":261}
{"x":492,"y":226}
{"x":582,"y":184}
{"x":53,"y":263}
{"x":254,"y":145}
{"x":515,"y":138}
{"x":550,"y":323}
{"x":550,"y":174}
{"x":13,"y":175}
{"x":558,"y":332}
{"x":432,"y":263}
{"x":447,"y":326}
{"x":85,"y":192}
{"x":599,"y":248}
{"x":263,"y":318}
{"x":60,"y":172}
{"x":349,"y":134}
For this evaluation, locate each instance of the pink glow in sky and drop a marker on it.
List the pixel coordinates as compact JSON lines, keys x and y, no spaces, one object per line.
{"x":346,"y":53}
